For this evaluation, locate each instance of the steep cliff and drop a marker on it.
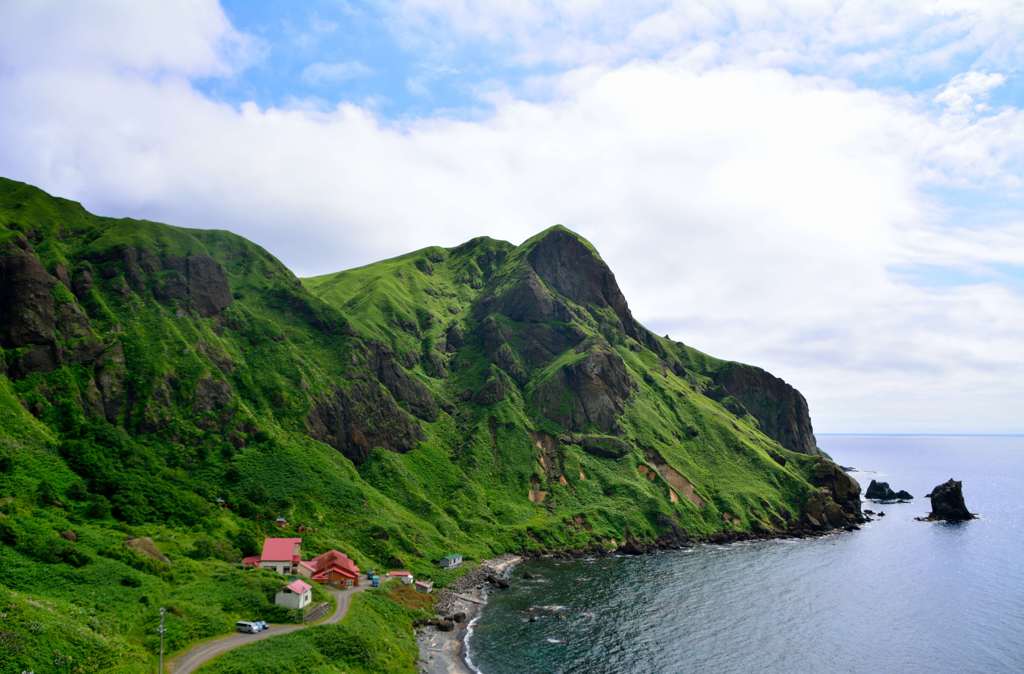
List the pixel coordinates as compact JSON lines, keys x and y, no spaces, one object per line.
{"x":184,"y":385}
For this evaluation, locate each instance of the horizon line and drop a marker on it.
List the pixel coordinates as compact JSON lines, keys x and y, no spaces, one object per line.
{"x":928,"y":435}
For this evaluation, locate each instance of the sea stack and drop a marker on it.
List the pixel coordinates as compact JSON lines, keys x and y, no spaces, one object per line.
{"x":948,"y":502}
{"x":881,"y":491}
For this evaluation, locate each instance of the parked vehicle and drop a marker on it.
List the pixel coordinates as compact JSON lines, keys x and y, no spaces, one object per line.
{"x":375,"y":581}
{"x":263,"y":625}
{"x":247,"y":627}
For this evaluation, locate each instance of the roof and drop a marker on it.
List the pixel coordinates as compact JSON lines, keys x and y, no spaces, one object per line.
{"x":335,"y":561}
{"x":252,"y":560}
{"x":297,"y":586}
{"x":452,"y":557}
{"x":425,"y":583}
{"x":279,"y":549}
{"x":399,"y":573}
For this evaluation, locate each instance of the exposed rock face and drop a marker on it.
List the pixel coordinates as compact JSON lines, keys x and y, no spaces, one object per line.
{"x":603,"y":446}
{"x":208,"y":289}
{"x":781,"y":410}
{"x":571,"y":268}
{"x":837,"y":504}
{"x":110,"y":373}
{"x":364,"y":416}
{"x":196,"y":280}
{"x":880,"y":491}
{"x":211,"y":395}
{"x":27,"y":311}
{"x":948,"y":502}
{"x":402,"y":385}
{"x":493,"y":391}
{"x":591,"y":392}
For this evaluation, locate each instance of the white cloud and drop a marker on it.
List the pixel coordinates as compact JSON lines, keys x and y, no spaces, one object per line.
{"x":967,"y":92}
{"x":751,"y":212}
{"x":877,"y":37}
{"x":320,"y":73}
{"x":190,"y":38}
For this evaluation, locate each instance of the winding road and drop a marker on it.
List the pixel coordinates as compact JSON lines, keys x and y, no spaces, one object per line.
{"x":199,"y":655}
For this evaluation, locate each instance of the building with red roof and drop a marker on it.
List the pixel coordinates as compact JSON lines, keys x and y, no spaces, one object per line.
{"x":279,"y":554}
{"x":331,"y":568}
{"x":403,"y":575}
{"x":295,"y":595}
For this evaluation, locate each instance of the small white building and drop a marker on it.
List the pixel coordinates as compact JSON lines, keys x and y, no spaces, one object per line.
{"x":295,"y":595}
{"x":424,"y":586}
{"x":451,"y":561}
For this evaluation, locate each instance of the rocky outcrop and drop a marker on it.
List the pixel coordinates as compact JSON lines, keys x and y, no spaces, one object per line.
{"x":589,"y":393}
{"x":781,"y":411}
{"x":603,"y":446}
{"x":493,"y":391}
{"x":361,"y":417}
{"x":27,"y":311}
{"x":881,"y":491}
{"x":948,"y":503}
{"x":208,"y":289}
{"x":836,"y":504}
{"x":406,"y":388}
{"x":569,"y":266}
{"x":197,"y":281}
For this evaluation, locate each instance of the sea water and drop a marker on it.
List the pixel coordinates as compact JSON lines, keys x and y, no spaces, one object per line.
{"x":897,"y":596}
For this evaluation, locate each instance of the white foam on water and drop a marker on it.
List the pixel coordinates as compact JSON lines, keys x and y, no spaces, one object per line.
{"x":465,"y":645}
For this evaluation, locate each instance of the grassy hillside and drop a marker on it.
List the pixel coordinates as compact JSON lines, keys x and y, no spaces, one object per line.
{"x":183,"y":385}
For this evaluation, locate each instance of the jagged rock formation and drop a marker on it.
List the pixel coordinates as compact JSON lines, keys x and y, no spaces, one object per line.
{"x":881,"y":491}
{"x":837,"y":503}
{"x":948,"y":502}
{"x":430,"y":374}
{"x":781,"y":410}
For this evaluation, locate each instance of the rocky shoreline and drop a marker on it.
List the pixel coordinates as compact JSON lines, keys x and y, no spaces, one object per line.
{"x":442,"y":641}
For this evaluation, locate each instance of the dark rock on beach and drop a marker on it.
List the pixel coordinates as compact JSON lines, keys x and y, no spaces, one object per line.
{"x":948,"y":503}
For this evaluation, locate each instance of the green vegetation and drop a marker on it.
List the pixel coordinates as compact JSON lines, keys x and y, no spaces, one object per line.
{"x":375,"y":636}
{"x":183,"y":385}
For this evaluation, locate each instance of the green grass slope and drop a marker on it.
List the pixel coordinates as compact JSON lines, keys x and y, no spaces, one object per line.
{"x":183,"y":385}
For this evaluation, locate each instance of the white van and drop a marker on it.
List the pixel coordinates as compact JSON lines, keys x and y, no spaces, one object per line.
{"x":247,"y":627}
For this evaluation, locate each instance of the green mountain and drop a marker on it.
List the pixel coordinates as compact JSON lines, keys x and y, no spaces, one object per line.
{"x":184,"y":386}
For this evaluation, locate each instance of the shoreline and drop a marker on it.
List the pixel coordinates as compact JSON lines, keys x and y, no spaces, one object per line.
{"x":445,"y":651}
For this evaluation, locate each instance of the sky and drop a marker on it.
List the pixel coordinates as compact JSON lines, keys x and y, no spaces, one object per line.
{"x":831,"y":190}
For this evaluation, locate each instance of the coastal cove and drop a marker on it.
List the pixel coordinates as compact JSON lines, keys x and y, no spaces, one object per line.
{"x":899,"y":594}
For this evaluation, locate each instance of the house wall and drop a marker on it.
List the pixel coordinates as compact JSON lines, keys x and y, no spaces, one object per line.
{"x":292,"y":600}
{"x":278,"y":567}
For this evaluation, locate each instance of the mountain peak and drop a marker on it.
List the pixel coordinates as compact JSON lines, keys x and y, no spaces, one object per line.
{"x":569,"y":264}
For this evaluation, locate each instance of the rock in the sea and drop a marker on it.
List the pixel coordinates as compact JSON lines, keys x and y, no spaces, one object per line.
{"x":948,"y":502}
{"x":881,"y":491}
{"x":497,"y":581}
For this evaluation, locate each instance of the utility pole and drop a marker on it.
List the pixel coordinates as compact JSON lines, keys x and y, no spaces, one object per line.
{"x":161,"y":630}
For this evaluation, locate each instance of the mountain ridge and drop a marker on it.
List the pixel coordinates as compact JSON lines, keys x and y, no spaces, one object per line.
{"x":184,"y":385}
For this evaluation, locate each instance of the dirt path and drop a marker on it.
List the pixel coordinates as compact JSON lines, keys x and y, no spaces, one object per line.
{"x":199,"y":655}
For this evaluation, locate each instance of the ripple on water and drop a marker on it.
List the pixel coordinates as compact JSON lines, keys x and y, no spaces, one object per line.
{"x":898,"y":595}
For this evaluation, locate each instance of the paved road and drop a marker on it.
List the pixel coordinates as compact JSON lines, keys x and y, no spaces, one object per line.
{"x":199,"y":655}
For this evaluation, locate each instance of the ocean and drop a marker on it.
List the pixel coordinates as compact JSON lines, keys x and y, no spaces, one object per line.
{"x":898,"y":595}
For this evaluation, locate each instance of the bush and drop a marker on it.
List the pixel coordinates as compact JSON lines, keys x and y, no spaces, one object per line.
{"x":47,"y":495}
{"x":205,"y":548}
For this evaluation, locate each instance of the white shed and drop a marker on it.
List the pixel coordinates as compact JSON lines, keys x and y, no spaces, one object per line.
{"x":295,"y":595}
